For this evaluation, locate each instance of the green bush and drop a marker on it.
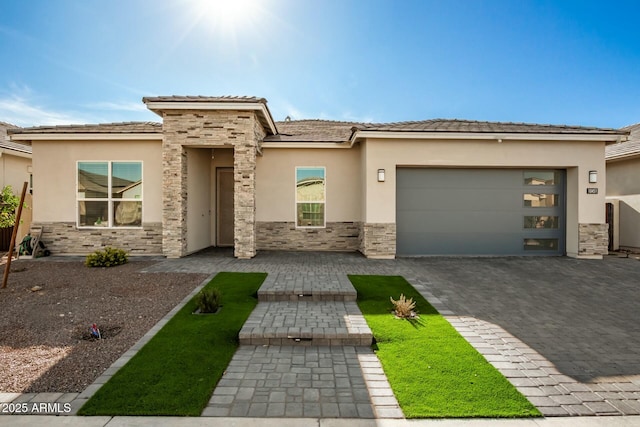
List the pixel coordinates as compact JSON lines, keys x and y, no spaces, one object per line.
{"x":109,"y":257}
{"x":9,"y":202}
{"x":208,"y":300}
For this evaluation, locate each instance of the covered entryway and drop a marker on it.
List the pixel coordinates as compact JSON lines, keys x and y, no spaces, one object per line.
{"x":480,"y":212}
{"x":224,"y":207}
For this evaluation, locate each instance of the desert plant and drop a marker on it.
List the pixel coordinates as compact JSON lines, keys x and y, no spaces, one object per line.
{"x":404,"y":307}
{"x":109,"y":257}
{"x":208,"y":301}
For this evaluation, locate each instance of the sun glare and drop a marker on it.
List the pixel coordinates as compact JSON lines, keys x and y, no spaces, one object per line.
{"x":226,"y":16}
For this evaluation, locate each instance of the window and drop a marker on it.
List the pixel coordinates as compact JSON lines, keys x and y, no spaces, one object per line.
{"x":540,"y":200}
{"x":310,"y":196}
{"x":541,"y":222}
{"x":109,"y":194}
{"x":548,"y":177}
{"x":540,"y":244}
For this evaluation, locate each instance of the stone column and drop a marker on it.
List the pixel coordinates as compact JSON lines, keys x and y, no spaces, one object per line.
{"x":174,"y":199}
{"x":244,"y":200}
{"x":593,"y":240}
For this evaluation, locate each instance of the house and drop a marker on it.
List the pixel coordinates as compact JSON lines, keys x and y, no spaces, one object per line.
{"x":219,"y":171}
{"x":15,"y":170}
{"x":623,"y":191}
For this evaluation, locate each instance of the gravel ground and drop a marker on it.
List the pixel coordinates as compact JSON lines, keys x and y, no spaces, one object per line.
{"x":44,"y":341}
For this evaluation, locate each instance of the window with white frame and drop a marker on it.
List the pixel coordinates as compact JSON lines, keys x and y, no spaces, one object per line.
{"x":109,"y":194}
{"x":310,"y":196}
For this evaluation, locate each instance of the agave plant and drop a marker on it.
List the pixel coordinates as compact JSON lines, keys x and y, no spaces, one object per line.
{"x":404,"y":308}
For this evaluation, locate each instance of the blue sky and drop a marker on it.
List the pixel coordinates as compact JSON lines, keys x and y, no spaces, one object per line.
{"x":559,"y":61}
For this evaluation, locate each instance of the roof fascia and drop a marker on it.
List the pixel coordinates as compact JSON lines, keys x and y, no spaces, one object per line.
{"x":239,"y":106}
{"x":86,"y":136}
{"x":306,"y":145}
{"x":626,"y":156}
{"x":608,"y":138}
{"x":15,"y":153}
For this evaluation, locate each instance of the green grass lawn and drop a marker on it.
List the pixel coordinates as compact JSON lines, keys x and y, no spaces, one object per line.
{"x":433,"y":371}
{"x":176,"y":372}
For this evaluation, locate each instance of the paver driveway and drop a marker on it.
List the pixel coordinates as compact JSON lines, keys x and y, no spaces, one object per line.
{"x":582,"y":315}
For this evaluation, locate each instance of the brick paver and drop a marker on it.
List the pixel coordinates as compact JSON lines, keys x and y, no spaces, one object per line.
{"x":289,"y":381}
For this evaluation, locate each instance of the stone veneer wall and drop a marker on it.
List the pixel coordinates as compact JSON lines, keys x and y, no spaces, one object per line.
{"x":193,"y":128}
{"x":336,"y":236}
{"x":65,"y":238}
{"x":593,"y":239}
{"x":378,"y":240}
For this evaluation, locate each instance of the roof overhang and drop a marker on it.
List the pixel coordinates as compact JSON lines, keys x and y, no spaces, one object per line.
{"x":15,"y":153}
{"x":302,"y":144}
{"x":260,"y":108}
{"x":608,"y":138}
{"x":59,"y":136}
{"x":626,"y":156}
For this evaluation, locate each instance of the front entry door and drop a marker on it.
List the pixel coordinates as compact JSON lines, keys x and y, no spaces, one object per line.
{"x":224,"y":226}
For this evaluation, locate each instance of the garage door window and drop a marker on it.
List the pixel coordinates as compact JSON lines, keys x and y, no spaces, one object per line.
{"x":540,"y":244}
{"x":310,"y":197}
{"x":541,"y":222}
{"x":532,"y":200}
{"x":542,"y":177}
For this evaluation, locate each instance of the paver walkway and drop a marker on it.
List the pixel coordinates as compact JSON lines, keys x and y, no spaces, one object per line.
{"x":305,"y":352}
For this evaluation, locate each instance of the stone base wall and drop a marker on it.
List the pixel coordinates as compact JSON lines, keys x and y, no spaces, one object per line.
{"x":337,"y":236}
{"x":378,"y":240}
{"x":593,"y":239}
{"x":64,"y":238}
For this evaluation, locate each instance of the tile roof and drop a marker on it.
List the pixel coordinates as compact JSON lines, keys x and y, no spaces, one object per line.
{"x":472,"y":126}
{"x":629,"y":148}
{"x":177,"y":98}
{"x":126,"y":127}
{"x":5,"y":143}
{"x":312,"y":131}
{"x":335,"y":131}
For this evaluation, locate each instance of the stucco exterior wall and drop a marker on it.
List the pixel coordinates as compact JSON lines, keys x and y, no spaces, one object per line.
{"x":623,"y":177}
{"x":199,"y":198}
{"x":54,"y":176}
{"x":54,"y":201}
{"x":276,"y":182}
{"x":13,"y":171}
{"x":577,"y":157}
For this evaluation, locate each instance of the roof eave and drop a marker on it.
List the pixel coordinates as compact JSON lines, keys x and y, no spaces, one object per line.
{"x":73,"y":136}
{"x":260,"y":107}
{"x":15,"y":153}
{"x":498,"y":136}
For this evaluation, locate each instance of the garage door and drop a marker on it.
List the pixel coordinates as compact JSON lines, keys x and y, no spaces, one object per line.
{"x":480,"y":212}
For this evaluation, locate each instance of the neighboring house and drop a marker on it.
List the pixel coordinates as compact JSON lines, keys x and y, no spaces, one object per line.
{"x":623,"y":190}
{"x":219,"y":171}
{"x":15,"y":170}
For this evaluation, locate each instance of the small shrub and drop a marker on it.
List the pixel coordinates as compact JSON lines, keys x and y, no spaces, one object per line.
{"x":404,"y":307}
{"x":208,"y":300}
{"x":109,"y":257}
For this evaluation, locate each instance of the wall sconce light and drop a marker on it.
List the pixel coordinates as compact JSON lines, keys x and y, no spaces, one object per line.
{"x":380,"y":175}
{"x":593,"y":177}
